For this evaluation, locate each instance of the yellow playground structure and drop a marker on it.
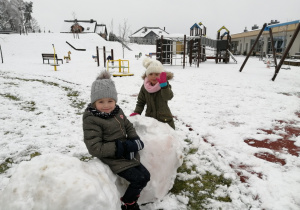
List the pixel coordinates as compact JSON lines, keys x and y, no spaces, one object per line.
{"x":121,"y":65}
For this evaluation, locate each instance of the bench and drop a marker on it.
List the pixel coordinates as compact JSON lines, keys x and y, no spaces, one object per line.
{"x":49,"y":56}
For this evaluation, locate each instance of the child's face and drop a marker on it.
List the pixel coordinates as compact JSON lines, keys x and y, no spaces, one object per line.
{"x":106,"y":105}
{"x":152,"y":78}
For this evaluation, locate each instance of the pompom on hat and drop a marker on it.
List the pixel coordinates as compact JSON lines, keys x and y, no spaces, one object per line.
{"x":103,"y":87}
{"x":152,"y":66}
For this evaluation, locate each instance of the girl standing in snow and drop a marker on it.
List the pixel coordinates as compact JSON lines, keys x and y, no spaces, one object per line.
{"x":155,"y":93}
{"x":111,"y":137}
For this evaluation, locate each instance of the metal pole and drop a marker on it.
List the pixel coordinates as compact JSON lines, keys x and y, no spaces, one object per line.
{"x":1,"y":54}
{"x":104,"y":56}
{"x":54,"y":58}
{"x":184,"y":46}
{"x":112,"y":56}
{"x":246,"y":59}
{"x":97,"y":51}
{"x":286,"y":51}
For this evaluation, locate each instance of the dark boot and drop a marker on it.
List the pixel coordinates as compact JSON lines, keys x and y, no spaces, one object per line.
{"x":130,"y":206}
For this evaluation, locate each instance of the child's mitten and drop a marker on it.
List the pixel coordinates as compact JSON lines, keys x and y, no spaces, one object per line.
{"x":134,"y":145}
{"x":133,"y":114}
{"x":120,"y":150}
{"x":130,"y":155}
{"x":162,"y":80}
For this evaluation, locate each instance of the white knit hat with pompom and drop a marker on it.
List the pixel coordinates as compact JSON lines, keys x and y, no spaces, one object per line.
{"x":152,"y":66}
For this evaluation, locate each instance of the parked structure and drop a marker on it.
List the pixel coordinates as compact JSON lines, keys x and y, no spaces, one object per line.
{"x":147,"y":35}
{"x":282,"y":34}
{"x":84,"y":26}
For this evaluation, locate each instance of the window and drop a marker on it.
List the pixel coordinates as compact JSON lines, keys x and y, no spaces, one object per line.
{"x":279,"y":44}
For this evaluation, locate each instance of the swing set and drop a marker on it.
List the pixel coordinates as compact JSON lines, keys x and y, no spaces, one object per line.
{"x":269,"y":28}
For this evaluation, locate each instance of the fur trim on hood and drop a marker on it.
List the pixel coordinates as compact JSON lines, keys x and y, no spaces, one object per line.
{"x":170,"y":75}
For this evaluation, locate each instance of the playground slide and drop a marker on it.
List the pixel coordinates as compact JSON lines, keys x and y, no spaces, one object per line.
{"x":231,"y":55}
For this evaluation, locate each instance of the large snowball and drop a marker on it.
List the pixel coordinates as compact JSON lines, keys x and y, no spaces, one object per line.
{"x":162,"y":155}
{"x":52,"y":182}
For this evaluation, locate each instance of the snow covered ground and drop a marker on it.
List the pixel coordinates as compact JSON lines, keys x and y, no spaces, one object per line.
{"x":218,"y":111}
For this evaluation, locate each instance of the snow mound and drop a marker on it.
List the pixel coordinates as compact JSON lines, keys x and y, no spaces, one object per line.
{"x":162,"y":155}
{"x":57,"y":181}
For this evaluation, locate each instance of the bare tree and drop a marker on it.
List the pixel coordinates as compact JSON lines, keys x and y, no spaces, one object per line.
{"x":111,"y":26}
{"x":74,"y":15}
{"x":34,"y":25}
{"x":123,"y":34}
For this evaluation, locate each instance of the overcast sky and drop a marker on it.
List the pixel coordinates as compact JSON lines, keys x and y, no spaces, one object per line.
{"x":177,"y":16}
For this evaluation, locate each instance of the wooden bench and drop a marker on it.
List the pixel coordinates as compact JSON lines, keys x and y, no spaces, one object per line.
{"x":49,"y":56}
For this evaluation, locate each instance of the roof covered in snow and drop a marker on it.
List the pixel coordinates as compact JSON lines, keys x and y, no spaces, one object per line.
{"x":90,"y":26}
{"x":144,"y":31}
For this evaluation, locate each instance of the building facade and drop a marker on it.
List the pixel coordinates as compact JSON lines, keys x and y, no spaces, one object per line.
{"x":282,"y":34}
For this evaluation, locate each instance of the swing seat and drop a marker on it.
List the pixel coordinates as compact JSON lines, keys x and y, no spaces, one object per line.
{"x":122,"y":75}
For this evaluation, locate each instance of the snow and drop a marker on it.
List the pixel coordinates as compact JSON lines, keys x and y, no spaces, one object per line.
{"x":142,"y":33}
{"x":216,"y":108}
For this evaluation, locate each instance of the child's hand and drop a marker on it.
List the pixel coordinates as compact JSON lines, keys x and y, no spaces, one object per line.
{"x":134,"y":145}
{"x":133,"y":114}
{"x":130,"y":155}
{"x":120,"y":150}
{"x":163,"y":79}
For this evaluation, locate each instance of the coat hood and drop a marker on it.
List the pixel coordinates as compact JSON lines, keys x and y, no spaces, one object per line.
{"x":170,"y":75}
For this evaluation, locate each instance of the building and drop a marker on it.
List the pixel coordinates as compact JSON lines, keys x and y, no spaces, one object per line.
{"x":84,"y":26}
{"x":241,"y":43}
{"x":147,"y":35}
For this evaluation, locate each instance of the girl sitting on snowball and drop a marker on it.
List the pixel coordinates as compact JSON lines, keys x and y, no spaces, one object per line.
{"x":111,"y":137}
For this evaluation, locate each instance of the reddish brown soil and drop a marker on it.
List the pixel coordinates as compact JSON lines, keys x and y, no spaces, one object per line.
{"x":285,"y":145}
{"x":239,"y":171}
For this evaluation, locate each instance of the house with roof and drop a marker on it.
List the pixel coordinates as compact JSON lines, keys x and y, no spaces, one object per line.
{"x":84,"y":26}
{"x":147,"y":35}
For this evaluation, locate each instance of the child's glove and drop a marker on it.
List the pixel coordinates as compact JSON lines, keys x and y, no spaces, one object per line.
{"x":127,"y":149}
{"x":162,"y":80}
{"x":133,"y":114}
{"x":120,"y":150}
{"x":130,"y":155}
{"x":133,"y":145}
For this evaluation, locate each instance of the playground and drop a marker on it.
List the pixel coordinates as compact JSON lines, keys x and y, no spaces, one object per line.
{"x":195,"y":48}
{"x":238,"y":126}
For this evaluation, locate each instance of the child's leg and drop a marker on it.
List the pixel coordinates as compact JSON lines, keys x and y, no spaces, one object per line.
{"x":138,"y":177}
